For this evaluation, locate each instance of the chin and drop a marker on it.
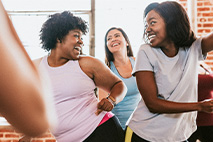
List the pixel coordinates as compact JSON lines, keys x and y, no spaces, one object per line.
{"x":76,"y":57}
{"x":153,"y":45}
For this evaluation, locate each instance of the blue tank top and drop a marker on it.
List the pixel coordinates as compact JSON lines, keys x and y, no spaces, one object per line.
{"x":125,"y":108}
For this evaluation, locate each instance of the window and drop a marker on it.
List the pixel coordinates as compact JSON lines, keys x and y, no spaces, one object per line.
{"x":28,"y":17}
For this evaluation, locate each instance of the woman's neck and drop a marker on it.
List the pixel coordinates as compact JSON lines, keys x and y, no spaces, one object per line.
{"x":120,"y":60}
{"x":170,"y":49}
{"x":54,"y":60}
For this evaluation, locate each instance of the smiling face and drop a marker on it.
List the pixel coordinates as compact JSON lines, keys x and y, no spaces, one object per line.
{"x":155,"y":29}
{"x":116,"y":41}
{"x":71,"y":46}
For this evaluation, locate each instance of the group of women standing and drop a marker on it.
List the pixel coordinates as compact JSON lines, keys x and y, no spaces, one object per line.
{"x":153,"y":96}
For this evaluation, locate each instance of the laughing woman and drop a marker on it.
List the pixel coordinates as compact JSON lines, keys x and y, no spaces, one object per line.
{"x":119,"y":58}
{"x":166,"y":71}
{"x":74,"y":77}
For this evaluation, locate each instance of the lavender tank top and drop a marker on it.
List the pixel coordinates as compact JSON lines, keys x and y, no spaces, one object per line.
{"x":75,"y":101}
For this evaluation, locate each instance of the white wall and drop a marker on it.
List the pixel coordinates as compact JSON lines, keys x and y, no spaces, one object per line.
{"x":127,"y":14}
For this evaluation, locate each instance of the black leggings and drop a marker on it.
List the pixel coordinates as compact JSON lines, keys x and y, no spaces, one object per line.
{"x":203,"y":133}
{"x":136,"y":138}
{"x":109,"y":131}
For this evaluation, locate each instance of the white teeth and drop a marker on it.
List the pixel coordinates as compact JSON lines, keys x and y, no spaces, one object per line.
{"x":115,"y":44}
{"x":151,"y":36}
{"x":78,"y":48}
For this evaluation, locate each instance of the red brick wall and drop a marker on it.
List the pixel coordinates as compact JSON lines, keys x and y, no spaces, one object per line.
{"x":204,"y":26}
{"x":8,"y":134}
{"x":204,"y":21}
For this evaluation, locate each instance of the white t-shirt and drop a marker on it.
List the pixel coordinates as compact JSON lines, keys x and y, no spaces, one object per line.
{"x":176,"y":80}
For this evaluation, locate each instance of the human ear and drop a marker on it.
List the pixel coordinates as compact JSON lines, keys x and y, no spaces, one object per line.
{"x":59,"y":41}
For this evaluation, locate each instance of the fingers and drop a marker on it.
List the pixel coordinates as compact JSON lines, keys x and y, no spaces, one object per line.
{"x":25,"y":139}
{"x":104,"y":105}
{"x":211,"y":106}
{"x":208,"y":100}
{"x":98,"y":111}
{"x":207,"y":106}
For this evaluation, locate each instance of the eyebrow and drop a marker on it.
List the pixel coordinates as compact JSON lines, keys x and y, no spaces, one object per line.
{"x":114,"y":34}
{"x":75,"y":31}
{"x":151,"y":18}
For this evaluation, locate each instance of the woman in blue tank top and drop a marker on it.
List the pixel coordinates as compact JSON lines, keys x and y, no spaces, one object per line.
{"x":119,"y":58}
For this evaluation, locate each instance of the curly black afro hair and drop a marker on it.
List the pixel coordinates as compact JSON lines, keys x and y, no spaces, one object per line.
{"x":58,"y":26}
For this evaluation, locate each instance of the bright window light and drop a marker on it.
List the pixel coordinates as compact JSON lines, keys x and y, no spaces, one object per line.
{"x":126,"y":14}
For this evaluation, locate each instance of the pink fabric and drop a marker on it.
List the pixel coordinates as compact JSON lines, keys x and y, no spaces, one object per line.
{"x":107,"y":116}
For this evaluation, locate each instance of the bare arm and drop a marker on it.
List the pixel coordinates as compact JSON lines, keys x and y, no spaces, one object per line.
{"x":21,"y":102}
{"x":148,"y":89}
{"x":104,"y":79}
{"x":102,"y":94}
{"x":207,"y":43}
{"x":108,"y":81}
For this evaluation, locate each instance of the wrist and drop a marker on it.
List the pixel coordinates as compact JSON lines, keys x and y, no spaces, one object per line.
{"x":199,"y":106}
{"x":111,"y":100}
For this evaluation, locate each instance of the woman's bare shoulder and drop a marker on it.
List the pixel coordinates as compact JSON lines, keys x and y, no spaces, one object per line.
{"x":91,"y":65}
{"x":89,"y":61}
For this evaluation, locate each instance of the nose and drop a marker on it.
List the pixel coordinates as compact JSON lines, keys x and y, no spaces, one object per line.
{"x":147,"y":29}
{"x":80,"y":41}
{"x":113,"y":39}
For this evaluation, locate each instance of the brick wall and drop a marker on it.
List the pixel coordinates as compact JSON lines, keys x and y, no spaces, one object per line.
{"x":8,"y":134}
{"x":204,"y":21}
{"x":204,"y":26}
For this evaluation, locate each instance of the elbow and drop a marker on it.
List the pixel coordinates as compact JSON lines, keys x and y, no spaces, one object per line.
{"x":37,"y":129}
{"x":44,"y":123}
{"x":37,"y":133}
{"x":152,"y":108}
{"x":123,"y":92}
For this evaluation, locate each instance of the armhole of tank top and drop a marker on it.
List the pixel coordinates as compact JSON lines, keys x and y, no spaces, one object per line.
{"x":80,"y":69}
{"x":38,"y":61}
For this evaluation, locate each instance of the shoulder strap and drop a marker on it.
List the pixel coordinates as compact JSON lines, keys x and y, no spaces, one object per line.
{"x":37,"y":62}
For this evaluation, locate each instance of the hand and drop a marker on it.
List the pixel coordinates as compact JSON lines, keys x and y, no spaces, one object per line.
{"x":207,"y":106}
{"x":104,"y":105}
{"x":25,"y":139}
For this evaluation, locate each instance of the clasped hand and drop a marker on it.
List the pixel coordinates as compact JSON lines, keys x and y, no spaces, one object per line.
{"x":104,"y":105}
{"x":207,"y":106}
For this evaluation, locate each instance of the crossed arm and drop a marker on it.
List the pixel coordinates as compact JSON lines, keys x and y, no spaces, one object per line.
{"x":148,"y":89}
{"x":104,"y":79}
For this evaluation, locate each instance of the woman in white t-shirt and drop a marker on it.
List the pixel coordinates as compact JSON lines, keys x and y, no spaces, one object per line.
{"x":166,"y":71}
